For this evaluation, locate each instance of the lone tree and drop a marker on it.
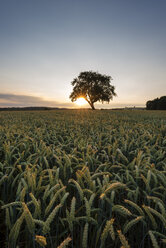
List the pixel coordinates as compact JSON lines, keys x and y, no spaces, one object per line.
{"x":93,"y":87}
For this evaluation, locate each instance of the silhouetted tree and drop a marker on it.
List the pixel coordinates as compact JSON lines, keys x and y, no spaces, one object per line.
{"x":92,"y":86}
{"x":157,"y":104}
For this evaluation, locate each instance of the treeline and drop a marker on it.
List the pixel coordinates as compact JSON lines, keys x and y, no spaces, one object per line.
{"x":28,"y":108}
{"x":157,"y":104}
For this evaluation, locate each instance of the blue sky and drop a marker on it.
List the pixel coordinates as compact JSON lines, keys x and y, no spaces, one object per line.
{"x":44,"y":44}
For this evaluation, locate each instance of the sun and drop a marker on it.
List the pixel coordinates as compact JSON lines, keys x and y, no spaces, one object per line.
{"x":81,"y":101}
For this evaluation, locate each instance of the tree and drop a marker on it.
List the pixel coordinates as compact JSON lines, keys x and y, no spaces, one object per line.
{"x":157,"y":104}
{"x":93,"y":87}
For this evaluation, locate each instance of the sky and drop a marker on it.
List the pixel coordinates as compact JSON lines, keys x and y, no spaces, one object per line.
{"x":45,"y":44}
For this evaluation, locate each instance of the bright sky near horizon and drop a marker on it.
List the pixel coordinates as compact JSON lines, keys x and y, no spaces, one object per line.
{"x":44,"y":44}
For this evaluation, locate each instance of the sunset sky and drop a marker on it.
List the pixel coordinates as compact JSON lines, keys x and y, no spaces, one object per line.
{"x":44,"y":44}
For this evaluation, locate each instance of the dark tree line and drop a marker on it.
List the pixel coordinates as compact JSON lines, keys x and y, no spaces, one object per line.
{"x":28,"y":108}
{"x":157,"y":104}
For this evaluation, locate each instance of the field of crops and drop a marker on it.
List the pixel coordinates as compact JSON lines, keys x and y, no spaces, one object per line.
{"x":83,"y":179}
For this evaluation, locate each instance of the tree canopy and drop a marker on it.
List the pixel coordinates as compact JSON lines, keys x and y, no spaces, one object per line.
{"x":93,"y":87}
{"x":157,"y":104}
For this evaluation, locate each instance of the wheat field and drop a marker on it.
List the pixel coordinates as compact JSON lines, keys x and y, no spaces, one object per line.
{"x":83,"y":179}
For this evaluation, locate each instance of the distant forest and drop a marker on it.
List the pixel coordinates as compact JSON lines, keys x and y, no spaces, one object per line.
{"x":157,"y":104}
{"x":28,"y":108}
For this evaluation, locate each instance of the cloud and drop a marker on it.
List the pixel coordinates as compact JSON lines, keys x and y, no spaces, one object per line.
{"x":13,"y":100}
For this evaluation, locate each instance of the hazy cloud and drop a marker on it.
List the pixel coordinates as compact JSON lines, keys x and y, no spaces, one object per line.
{"x":13,"y":100}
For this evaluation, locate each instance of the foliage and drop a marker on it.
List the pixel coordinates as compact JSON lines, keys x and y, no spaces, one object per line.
{"x":92,"y":86}
{"x":157,"y":104}
{"x":78,"y":178}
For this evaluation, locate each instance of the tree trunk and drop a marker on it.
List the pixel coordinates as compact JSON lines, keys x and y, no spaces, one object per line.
{"x":90,"y":103}
{"x":92,"y":106}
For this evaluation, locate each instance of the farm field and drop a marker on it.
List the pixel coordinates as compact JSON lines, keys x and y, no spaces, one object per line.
{"x":83,"y":179}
